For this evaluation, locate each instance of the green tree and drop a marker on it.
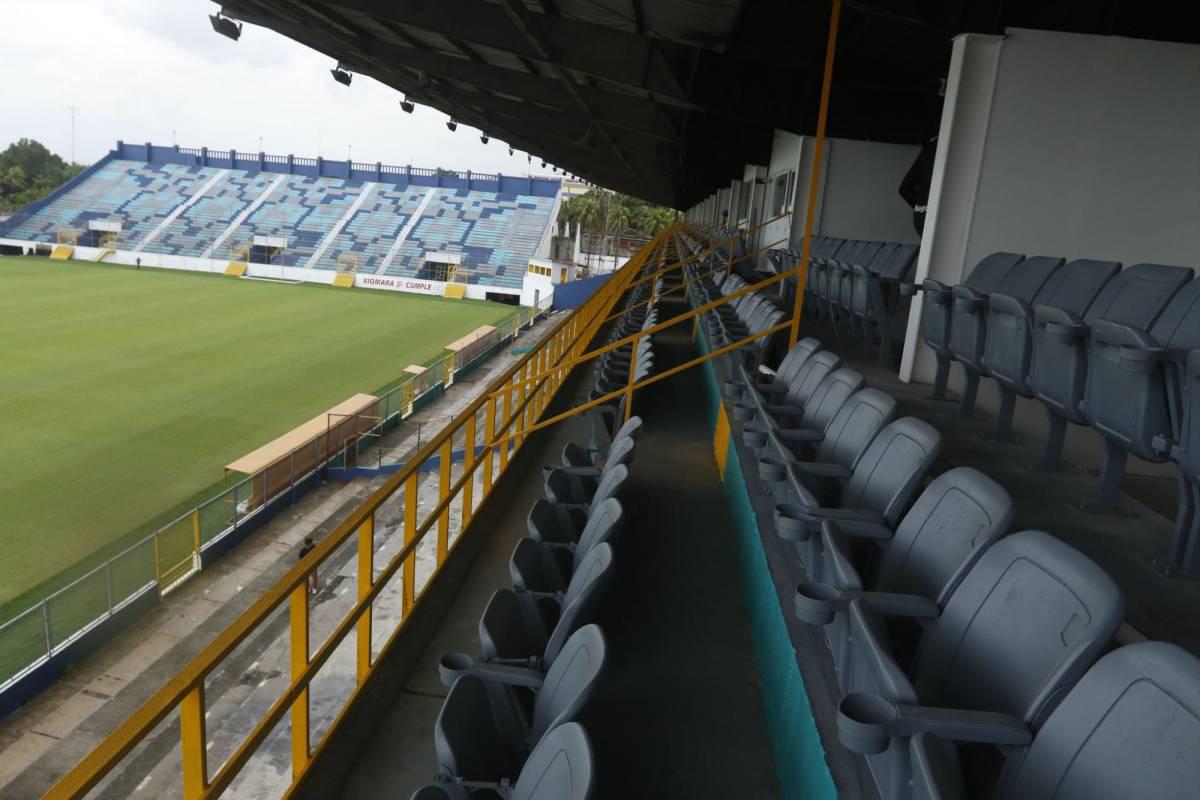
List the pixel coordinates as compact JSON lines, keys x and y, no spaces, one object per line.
{"x":29,"y":171}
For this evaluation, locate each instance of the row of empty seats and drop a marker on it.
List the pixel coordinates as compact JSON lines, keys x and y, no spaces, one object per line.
{"x":495,"y":234}
{"x":507,"y":727}
{"x":970,"y":661}
{"x":856,"y":282}
{"x":1115,"y":349}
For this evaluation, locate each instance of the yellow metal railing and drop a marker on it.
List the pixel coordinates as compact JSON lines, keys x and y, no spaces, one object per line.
{"x":511,"y":407}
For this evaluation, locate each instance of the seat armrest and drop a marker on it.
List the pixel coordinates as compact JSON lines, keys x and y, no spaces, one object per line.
{"x":820,"y":469}
{"x":861,"y":530}
{"x":798,"y":522}
{"x":818,"y":603}
{"x":1013,"y":306}
{"x":937,"y":292}
{"x":582,"y":472}
{"x":798,"y":435}
{"x":785,"y":411}
{"x":867,"y":723}
{"x":509,"y":671}
{"x":968,"y":299}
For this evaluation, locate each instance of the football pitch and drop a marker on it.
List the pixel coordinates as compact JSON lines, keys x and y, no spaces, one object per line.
{"x":123,"y":392}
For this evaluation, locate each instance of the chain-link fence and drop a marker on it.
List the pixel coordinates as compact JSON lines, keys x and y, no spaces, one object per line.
{"x":170,"y":555}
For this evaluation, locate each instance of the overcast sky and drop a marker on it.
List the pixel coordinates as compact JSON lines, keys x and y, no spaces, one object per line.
{"x":154,"y":70}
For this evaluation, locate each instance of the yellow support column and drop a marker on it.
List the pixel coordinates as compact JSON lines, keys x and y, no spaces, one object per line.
{"x":468,"y":490}
{"x":298,"y":620}
{"x":504,"y":421}
{"x":814,"y":182}
{"x":443,"y":540}
{"x":192,"y":749}
{"x":520,"y":424}
{"x":489,"y":433}
{"x":366,"y":572}
{"x":410,"y":533}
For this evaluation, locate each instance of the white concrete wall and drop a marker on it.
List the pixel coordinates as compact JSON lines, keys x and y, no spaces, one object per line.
{"x":1068,"y":145}
{"x":785,"y":157}
{"x":862,"y":198}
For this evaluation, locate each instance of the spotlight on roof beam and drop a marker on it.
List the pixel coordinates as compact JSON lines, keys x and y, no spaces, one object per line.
{"x":510,"y":151}
{"x":543,"y":165}
{"x":484,"y":138}
{"x":340,"y":75}
{"x":225,"y":26}
{"x":452,"y":125}
{"x":406,"y":105}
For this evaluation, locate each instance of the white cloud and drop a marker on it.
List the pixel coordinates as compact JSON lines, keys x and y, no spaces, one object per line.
{"x":147,"y":70}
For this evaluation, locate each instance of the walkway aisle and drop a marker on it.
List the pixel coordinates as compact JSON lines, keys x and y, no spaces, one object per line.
{"x":680,"y":714}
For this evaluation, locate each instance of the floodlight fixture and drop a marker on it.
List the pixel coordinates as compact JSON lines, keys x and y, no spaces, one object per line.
{"x":483,"y":138}
{"x":510,"y":151}
{"x":452,"y":125}
{"x":406,"y":105}
{"x":341,"y":75}
{"x":225,"y":26}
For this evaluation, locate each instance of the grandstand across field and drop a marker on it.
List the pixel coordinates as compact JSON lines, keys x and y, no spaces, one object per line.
{"x":310,"y":219}
{"x":127,"y":391}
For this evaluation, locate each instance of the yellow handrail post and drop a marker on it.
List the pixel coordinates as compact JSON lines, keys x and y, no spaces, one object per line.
{"x":633,"y":354}
{"x":366,"y":569}
{"x":298,"y":621}
{"x":468,"y":496}
{"x":814,"y":181}
{"x":443,"y":539}
{"x":506,"y":417}
{"x":489,"y":455}
{"x":409,"y":597}
{"x":192,"y":747}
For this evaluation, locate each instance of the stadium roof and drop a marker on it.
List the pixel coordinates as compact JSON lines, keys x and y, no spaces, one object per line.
{"x":667,"y":99}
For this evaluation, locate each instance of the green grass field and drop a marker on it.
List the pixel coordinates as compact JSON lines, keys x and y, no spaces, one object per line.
{"x":123,"y":393}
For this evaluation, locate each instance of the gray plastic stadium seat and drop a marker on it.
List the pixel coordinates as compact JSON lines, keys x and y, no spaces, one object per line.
{"x":949,"y":527}
{"x":576,"y":455}
{"x":539,"y":566}
{"x":819,"y":412}
{"x":485,"y":733}
{"x":522,"y":621}
{"x":842,"y":444}
{"x":936,"y":309}
{"x":563,"y":522}
{"x":1019,"y":631}
{"x":878,"y":490}
{"x":561,"y":767}
{"x":791,"y":363}
{"x":1134,"y":381}
{"x":578,"y":485}
{"x":1129,"y":728}
{"x":969,"y":317}
{"x":805,"y":382}
{"x":875,"y":292}
{"x":1008,"y":355}
{"x":1135,"y":297}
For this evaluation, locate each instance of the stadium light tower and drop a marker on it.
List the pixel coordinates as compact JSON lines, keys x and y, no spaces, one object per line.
{"x":225,"y":26}
{"x":341,"y":75}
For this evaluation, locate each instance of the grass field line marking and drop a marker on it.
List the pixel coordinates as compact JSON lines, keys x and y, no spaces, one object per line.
{"x":241,"y":217}
{"x":402,"y":237}
{"x":182,"y":207}
{"x":315,"y":258}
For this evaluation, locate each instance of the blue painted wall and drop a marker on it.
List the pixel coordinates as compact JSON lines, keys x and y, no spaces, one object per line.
{"x":576,"y":293}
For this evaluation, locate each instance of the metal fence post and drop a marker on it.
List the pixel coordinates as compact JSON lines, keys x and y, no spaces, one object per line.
{"x":46,"y":627}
